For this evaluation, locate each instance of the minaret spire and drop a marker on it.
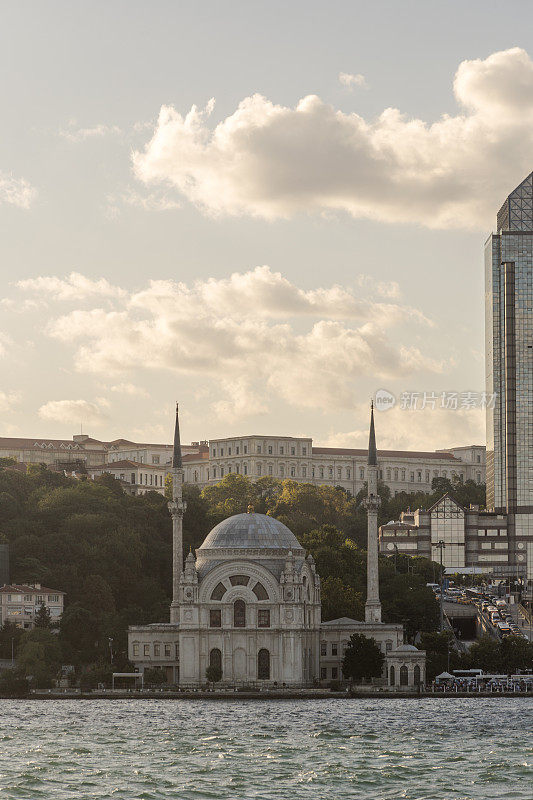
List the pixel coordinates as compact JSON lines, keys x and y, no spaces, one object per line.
{"x":372,"y":503}
{"x":177,"y":508}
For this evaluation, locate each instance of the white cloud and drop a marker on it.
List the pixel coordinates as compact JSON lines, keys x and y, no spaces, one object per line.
{"x":254,"y":335}
{"x":73,"y":287}
{"x":273,"y":161}
{"x":147,"y":202}
{"x":8,"y":400}
{"x":16,"y":191}
{"x":75,"y":134}
{"x":349,"y":80}
{"x":129,"y":388}
{"x":427,"y":429}
{"x":72,"y":411}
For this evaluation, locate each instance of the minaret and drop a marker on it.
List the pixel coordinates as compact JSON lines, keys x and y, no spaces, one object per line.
{"x":372,"y":503}
{"x":176,"y":507}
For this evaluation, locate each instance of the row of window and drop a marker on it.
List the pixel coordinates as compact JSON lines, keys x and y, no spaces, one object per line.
{"x":269,"y":450}
{"x":239,"y":616}
{"x":336,"y":648}
{"x":155,"y":480}
{"x":337,"y":473}
{"x":30,"y":598}
{"x":159,"y":650}
{"x":263,"y":662}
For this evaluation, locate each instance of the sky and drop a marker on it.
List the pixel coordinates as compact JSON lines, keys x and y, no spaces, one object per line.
{"x":267,"y":211}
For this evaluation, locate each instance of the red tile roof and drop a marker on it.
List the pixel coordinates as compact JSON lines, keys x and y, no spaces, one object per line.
{"x":9,"y":588}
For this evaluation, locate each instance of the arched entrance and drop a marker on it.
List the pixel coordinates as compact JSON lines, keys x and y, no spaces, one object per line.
{"x":263,"y":665}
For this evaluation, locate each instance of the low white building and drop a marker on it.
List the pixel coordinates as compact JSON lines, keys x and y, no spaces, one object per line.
{"x":135,"y":478}
{"x":19,"y":603}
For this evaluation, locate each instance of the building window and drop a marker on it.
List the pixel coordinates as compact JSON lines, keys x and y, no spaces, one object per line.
{"x":245,"y":449}
{"x":361,"y":474}
{"x":263,"y":665}
{"x":403,"y":474}
{"x":416,"y":675}
{"x":392,"y":680}
{"x":177,"y":650}
{"x":323,"y":673}
{"x":313,"y":472}
{"x":259,"y":469}
{"x":258,"y":448}
{"x":236,"y":469}
{"x":304,"y":451}
{"x":221,"y":451}
{"x":229,"y":451}
{"x":132,"y":480}
{"x":263,"y":618}
{"x":146,"y":650}
{"x":334,"y":673}
{"x":155,"y":459}
{"x":412,"y":476}
{"x":321,"y":472}
{"x":221,"y":472}
{"x":135,"y":649}
{"x":282,"y":471}
{"x":214,"y":452}
{"x":245,"y":469}
{"x":215,"y":618}
{"x":427,"y":476}
{"x":293,"y":451}
{"x":293,"y":472}
{"x":218,"y":592}
{"x":339,"y":473}
{"x":270,"y":469}
{"x":215,"y":658}
{"x":239,"y":580}
{"x":167,"y":651}
{"x":239,"y":614}
{"x":270,"y":450}
{"x":281,"y":450}
{"x":260,"y":591}
{"x":388,"y":473}
{"x":404,"y":676}
{"x":214,"y":472}
{"x":323,"y":648}
{"x":331,"y":472}
{"x":157,"y":649}
{"x":334,"y":648}
{"x":388,"y":646}
{"x":348,"y":473}
{"x":237,"y":450}
{"x":304,"y":472}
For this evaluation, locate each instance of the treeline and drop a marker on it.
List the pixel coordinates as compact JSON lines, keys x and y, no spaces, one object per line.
{"x":111,"y":552}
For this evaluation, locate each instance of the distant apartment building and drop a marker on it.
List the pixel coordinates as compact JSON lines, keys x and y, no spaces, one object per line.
{"x":295,"y":458}
{"x":142,"y":467}
{"x":472,"y":538}
{"x":19,"y":603}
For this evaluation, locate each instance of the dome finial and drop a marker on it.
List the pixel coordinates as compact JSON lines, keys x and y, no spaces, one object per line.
{"x":251,"y":509}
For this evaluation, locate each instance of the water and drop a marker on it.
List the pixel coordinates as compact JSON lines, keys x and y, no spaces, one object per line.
{"x":267,"y":750}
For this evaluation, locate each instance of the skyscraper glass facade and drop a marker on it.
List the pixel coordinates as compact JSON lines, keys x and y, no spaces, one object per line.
{"x":509,"y":366}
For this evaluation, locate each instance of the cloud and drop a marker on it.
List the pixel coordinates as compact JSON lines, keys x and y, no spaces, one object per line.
{"x":74,"y":134}
{"x":148,"y":202}
{"x":72,"y":411}
{"x":8,"y":400}
{"x":253,"y":336}
{"x":73,"y":287}
{"x":273,"y":161}
{"x":427,"y":429}
{"x":349,"y":80}
{"x":16,"y":191}
{"x":129,"y":388}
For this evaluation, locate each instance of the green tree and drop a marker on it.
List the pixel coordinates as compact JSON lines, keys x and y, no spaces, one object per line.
{"x":154,"y":677}
{"x":39,"y":656}
{"x":10,"y":636}
{"x":516,"y":654}
{"x":440,"y":653}
{"x":13,"y":683}
{"x":43,"y":618}
{"x":339,"y":600}
{"x":362,"y":658}
{"x":213,"y":674}
{"x":486,"y":654}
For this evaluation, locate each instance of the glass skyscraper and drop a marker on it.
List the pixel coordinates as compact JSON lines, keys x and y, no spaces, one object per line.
{"x":509,"y":370}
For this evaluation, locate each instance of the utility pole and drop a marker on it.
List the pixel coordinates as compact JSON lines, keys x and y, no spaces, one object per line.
{"x":110,"y":649}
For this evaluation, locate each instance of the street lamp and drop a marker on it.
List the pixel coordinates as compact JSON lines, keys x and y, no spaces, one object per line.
{"x":440,"y":545}
{"x":110,"y":640}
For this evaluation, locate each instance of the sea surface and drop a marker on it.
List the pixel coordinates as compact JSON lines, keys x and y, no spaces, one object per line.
{"x":427,"y":749}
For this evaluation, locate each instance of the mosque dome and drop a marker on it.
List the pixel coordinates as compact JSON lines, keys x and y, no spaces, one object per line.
{"x":263,"y":536}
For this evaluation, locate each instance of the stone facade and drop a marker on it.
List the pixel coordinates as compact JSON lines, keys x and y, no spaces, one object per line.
{"x":19,"y":603}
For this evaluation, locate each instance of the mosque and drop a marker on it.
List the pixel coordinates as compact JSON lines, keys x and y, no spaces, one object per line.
{"x":249,"y":603}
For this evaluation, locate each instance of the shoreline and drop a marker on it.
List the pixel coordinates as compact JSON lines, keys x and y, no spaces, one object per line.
{"x":262,"y":695}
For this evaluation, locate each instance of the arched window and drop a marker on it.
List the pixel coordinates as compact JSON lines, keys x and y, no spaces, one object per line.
{"x":218,"y":592}
{"x":260,"y":591}
{"x":416,"y":675}
{"x":404,"y":676}
{"x":239,"y":580}
{"x":239,"y":614}
{"x":263,"y":665}
{"x":215,"y":658}
{"x":392,"y":676}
